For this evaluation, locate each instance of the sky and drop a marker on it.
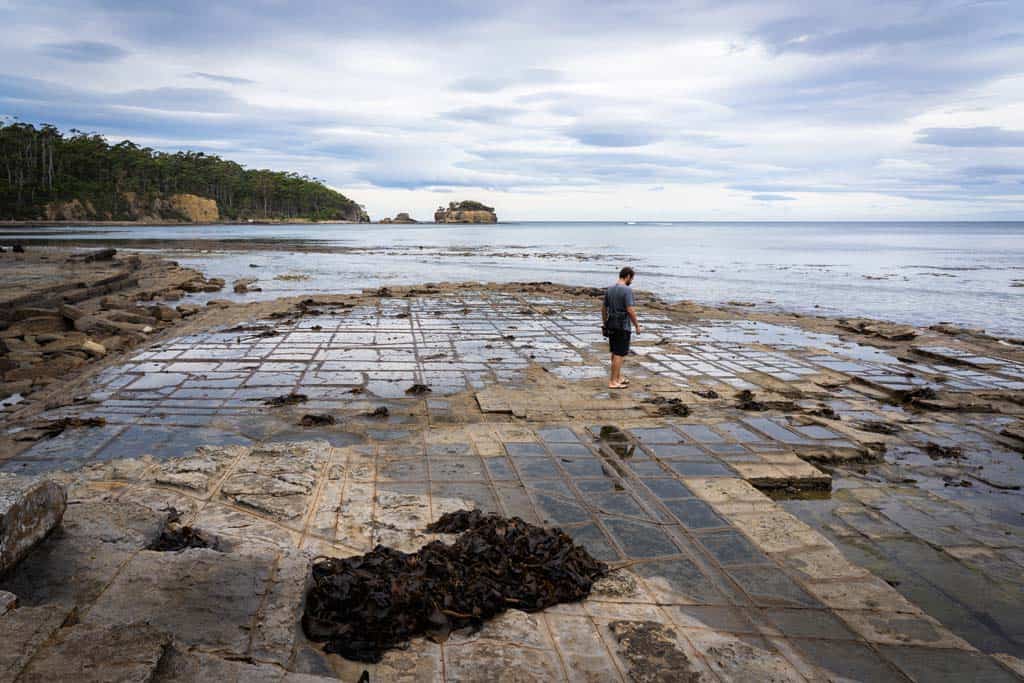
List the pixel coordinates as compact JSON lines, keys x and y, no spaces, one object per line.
{"x":576,"y":110}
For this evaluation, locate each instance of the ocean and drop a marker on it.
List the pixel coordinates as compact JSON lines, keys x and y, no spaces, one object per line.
{"x":921,"y":273}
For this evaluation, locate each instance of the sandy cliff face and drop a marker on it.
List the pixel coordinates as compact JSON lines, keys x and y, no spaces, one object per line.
{"x":177,"y":207}
{"x":194,"y":208}
{"x":73,"y":210}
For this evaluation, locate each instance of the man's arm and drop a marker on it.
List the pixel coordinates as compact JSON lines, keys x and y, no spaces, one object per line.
{"x":631,"y":312}
{"x":604,"y":313}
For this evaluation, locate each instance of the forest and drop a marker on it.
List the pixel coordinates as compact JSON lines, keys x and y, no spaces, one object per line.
{"x":41,"y":166}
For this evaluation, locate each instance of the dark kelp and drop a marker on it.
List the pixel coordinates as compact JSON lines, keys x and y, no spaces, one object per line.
{"x":362,"y":606}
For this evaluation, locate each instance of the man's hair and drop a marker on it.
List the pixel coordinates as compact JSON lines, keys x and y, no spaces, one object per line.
{"x":626,"y":273}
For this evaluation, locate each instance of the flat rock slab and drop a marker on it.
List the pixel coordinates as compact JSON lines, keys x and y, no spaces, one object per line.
{"x":204,"y":598}
{"x":23,"y":631}
{"x":29,"y":510}
{"x":126,"y":652}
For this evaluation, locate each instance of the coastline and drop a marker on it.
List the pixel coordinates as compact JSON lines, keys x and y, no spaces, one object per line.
{"x":161,"y":224}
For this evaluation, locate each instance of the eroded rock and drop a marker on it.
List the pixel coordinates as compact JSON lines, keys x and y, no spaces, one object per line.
{"x":29,"y":510}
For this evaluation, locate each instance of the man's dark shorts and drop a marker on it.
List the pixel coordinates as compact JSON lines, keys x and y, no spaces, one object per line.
{"x":618,"y":342}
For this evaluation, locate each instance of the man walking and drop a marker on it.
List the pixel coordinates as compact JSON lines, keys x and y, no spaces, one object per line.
{"x":616,"y":314}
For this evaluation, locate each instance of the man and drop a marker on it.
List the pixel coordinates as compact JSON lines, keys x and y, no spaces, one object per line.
{"x":616,"y":314}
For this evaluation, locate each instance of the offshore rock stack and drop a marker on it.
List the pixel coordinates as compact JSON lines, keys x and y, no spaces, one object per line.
{"x":465,"y":212}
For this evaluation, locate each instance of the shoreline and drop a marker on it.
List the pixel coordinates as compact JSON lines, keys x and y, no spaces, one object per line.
{"x":161,"y":224}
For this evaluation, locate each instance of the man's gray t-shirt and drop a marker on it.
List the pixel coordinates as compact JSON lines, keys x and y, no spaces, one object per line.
{"x":616,"y":300}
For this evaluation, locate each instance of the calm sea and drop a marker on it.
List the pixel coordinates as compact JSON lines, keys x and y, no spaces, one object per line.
{"x":919,"y":273}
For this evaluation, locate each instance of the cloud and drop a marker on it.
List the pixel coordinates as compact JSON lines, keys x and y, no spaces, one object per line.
{"x":613,"y":134}
{"x":779,"y":100}
{"x":980,"y":136}
{"x":773,"y":198}
{"x":219,"y":78}
{"x":495,"y":83}
{"x":83,"y":51}
{"x":482,"y":114}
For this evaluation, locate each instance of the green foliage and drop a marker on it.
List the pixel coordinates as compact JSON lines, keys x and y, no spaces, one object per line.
{"x":41,"y":165}
{"x":469,"y":205}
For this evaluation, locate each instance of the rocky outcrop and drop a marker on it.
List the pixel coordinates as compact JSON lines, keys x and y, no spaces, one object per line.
{"x":29,"y":510}
{"x":73,"y":210}
{"x":188,"y":208}
{"x":177,"y":207}
{"x":465,"y":212}
{"x":399,"y":218}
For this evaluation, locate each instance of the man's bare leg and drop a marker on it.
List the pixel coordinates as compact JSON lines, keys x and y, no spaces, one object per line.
{"x":615,"y":381}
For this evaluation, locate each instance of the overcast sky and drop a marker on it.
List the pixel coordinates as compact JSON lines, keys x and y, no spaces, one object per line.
{"x":793,"y":109}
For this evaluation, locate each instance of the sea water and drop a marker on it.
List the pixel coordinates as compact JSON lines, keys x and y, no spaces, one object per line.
{"x":915,"y":272}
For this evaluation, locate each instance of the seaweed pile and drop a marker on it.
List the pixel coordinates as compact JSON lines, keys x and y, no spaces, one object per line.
{"x":362,"y":606}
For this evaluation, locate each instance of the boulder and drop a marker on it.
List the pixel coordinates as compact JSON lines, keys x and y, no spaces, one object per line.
{"x":242,"y":286}
{"x":188,"y":310}
{"x":94,"y":349}
{"x":29,"y":509}
{"x":71,"y":312}
{"x":164,"y":312}
{"x":8,"y":601}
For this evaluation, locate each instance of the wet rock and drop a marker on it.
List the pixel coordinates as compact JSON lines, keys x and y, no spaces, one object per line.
{"x":18,"y":249}
{"x":244,"y":285}
{"x":824,"y":411}
{"x":100,"y":255}
{"x":289,"y":399}
{"x":52,"y":428}
{"x":652,"y":652}
{"x":936,"y":451}
{"x":317,"y":420}
{"x":175,"y":537}
{"x":878,"y":427}
{"x":163,"y":313}
{"x":362,"y":606}
{"x":668,"y":406}
{"x":29,"y":510}
{"x":124,"y":652}
{"x":745,"y":401}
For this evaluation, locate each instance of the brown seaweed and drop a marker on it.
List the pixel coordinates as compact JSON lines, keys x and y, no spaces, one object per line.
{"x":362,"y":606}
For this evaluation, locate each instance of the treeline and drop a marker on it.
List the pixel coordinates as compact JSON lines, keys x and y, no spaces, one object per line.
{"x":40,"y":166}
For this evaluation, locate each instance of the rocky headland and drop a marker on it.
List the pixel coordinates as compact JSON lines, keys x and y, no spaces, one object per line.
{"x":465,"y":212}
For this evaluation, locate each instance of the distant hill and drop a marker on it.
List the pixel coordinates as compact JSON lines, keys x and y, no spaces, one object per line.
{"x":45,"y":175}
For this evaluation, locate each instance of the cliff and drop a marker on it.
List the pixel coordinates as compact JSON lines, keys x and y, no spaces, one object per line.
{"x":465,"y":212}
{"x":188,"y":208}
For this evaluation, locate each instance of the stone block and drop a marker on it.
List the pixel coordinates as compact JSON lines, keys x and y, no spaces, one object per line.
{"x":23,"y":632}
{"x":125,"y":652}
{"x":29,"y":510}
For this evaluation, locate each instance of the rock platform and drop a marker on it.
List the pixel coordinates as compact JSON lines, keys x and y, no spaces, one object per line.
{"x":734,"y":531}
